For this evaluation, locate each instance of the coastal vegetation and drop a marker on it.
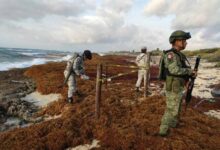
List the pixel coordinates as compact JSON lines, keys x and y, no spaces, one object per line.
{"x":211,"y":54}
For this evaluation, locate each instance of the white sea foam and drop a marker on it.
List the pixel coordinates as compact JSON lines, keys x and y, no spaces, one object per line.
{"x":65,"y":58}
{"x":36,"y":61}
{"x":30,"y":54}
{"x":22,"y":58}
{"x":9,"y":65}
{"x":12,"y":121}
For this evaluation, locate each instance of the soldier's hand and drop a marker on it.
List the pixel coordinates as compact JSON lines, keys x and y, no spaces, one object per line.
{"x":84,"y":77}
{"x":194,"y":74}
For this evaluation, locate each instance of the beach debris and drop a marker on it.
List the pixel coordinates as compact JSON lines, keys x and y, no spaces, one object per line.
{"x":215,"y":92}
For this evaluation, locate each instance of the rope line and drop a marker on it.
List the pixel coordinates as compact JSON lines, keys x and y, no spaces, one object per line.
{"x":117,"y":75}
{"x":130,"y":66}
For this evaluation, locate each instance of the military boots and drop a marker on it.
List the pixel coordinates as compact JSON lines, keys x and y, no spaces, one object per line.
{"x":70,"y":100}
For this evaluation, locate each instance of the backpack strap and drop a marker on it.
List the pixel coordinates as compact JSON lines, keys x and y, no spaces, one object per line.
{"x":183,"y":64}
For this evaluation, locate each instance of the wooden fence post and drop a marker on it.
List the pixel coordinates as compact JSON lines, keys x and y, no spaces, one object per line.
{"x":106,"y":75}
{"x":98,"y":90}
{"x":146,"y":81}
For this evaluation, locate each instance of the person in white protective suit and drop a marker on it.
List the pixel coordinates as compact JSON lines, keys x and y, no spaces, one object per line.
{"x":141,"y":62}
{"x":75,"y":67}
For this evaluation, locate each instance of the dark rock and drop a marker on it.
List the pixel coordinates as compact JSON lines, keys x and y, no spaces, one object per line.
{"x":14,"y":85}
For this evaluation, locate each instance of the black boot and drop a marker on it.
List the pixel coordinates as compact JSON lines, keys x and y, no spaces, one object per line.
{"x":149,"y":93}
{"x":78,"y":93}
{"x":70,"y":100}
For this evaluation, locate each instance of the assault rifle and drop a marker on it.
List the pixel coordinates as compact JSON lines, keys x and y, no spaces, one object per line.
{"x":191,"y":83}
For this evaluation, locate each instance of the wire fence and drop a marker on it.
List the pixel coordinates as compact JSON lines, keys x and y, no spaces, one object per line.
{"x":101,"y":79}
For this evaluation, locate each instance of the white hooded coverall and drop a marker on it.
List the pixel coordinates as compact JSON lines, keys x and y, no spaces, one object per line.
{"x":141,"y":61}
{"x":78,"y":69}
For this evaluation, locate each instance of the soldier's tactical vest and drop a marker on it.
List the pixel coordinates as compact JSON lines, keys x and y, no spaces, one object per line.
{"x":164,"y":72}
{"x":175,"y":83}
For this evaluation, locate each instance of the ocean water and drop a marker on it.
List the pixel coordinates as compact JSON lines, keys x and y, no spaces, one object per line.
{"x":22,"y":58}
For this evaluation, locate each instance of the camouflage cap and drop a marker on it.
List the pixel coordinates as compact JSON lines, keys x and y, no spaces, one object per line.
{"x":179,"y":34}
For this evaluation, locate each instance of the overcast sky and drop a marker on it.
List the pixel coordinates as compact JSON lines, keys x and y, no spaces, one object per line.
{"x":104,"y":25}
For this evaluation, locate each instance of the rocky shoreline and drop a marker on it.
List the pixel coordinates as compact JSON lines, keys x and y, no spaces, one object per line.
{"x":14,"y":85}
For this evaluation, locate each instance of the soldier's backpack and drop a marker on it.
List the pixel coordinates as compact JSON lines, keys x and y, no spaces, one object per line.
{"x":70,"y":67}
{"x":162,"y":69}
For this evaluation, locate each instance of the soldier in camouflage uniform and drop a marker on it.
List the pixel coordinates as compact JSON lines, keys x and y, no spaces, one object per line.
{"x":77,"y":64}
{"x":178,"y":72}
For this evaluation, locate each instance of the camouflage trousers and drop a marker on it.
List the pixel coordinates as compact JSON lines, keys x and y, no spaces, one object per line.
{"x":71,"y":84}
{"x":173,"y":108}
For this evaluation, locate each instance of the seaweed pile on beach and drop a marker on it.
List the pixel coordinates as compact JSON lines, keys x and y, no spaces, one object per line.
{"x":127,"y":121}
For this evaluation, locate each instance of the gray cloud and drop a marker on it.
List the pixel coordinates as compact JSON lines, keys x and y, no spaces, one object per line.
{"x":157,"y":8}
{"x":66,"y":24}
{"x":188,"y":14}
{"x":106,"y":25}
{"x":200,"y":17}
{"x":118,"y":6}
{"x":37,"y":9}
